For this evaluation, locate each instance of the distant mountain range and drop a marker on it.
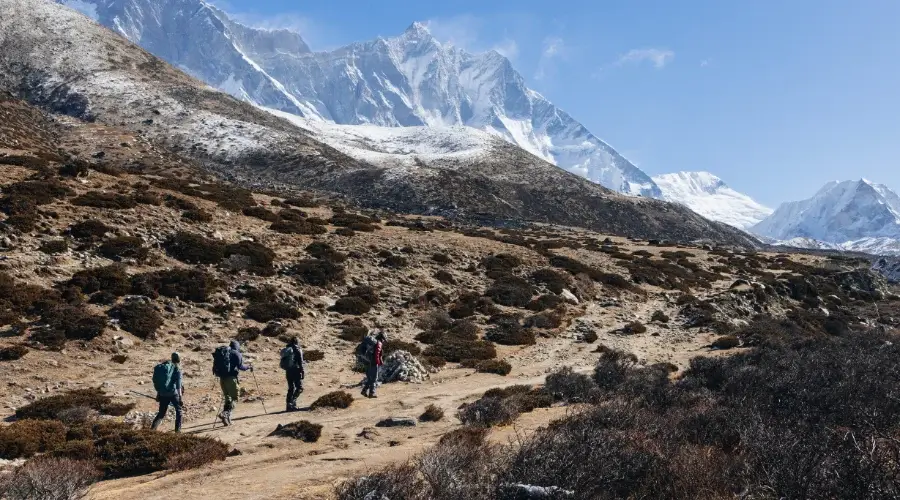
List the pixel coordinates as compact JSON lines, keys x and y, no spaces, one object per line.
{"x":710,"y":197}
{"x":411,"y":80}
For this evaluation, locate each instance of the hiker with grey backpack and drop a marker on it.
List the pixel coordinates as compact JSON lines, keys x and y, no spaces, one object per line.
{"x":168,"y":382}
{"x":369,"y":354}
{"x":292,"y":364}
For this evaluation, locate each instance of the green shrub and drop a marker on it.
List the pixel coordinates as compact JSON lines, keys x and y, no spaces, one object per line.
{"x":138,"y":318}
{"x":336,"y":399}
{"x":302,"y":430}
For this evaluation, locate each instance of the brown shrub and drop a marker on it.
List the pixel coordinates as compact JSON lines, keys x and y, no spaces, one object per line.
{"x":394,"y":262}
{"x":454,"y":350}
{"x":269,"y":310}
{"x":298,"y":227}
{"x":25,"y":438}
{"x":53,"y":247}
{"x":432,"y":413}
{"x":48,"y":478}
{"x":198,"y":454}
{"x":113,"y":279}
{"x":545,"y":320}
{"x":259,"y":258}
{"x":126,"y":452}
{"x":635,"y":327}
{"x":336,"y":399}
{"x":247,"y":334}
{"x":399,"y":345}
{"x":49,"y":408}
{"x":144,"y":197}
{"x":345,"y":231}
{"x":318,"y":272}
{"x":194,"y":249}
{"x":350,"y":305}
{"x":366,"y":293}
{"x":313,"y":355}
{"x":305,"y":201}
{"x":348,"y":220}
{"x":199,"y":215}
{"x":441,"y":258}
{"x":445,"y":277}
{"x":511,"y":291}
{"x":186,"y":284}
{"x":322,"y":250}
{"x":726,"y":342}
{"x":302,"y":430}
{"x":89,"y":230}
{"x":510,"y":333}
{"x":74,"y":322}
{"x":108,"y":201}
{"x":497,"y":367}
{"x":660,"y":317}
{"x":434,"y":319}
{"x":503,"y":263}
{"x":13,"y":352}
{"x":554,"y":280}
{"x":124,"y":247}
{"x":260,"y":213}
{"x":545,"y":302}
{"x":138,"y":318}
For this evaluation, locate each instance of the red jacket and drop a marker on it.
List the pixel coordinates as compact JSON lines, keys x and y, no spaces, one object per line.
{"x":378,"y":360}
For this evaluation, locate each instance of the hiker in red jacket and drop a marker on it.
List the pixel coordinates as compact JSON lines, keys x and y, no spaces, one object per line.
{"x":373,"y":366}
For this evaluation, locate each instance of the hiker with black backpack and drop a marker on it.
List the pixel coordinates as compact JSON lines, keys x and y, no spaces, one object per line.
{"x":227,"y":364}
{"x":167,"y":381}
{"x":292,"y":364}
{"x":369,"y":353}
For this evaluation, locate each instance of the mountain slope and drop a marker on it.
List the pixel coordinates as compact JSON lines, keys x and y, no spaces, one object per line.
{"x":840,"y":212}
{"x":409,"y":80}
{"x":710,"y":197}
{"x":49,"y":57}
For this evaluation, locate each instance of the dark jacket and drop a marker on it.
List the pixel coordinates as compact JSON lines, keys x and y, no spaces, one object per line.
{"x":237,"y":359}
{"x":298,"y":357}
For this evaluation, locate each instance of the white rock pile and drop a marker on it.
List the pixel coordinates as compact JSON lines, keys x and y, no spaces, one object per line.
{"x":401,"y":366}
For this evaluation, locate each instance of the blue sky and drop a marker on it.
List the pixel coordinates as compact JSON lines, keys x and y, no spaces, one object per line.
{"x":776,"y":97}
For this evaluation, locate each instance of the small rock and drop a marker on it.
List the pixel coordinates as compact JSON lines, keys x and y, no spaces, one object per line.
{"x":569,"y":297}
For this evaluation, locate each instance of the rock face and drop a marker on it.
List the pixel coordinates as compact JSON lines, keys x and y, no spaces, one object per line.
{"x":405,"y":81}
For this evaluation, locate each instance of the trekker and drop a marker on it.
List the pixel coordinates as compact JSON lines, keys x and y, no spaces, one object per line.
{"x":292,"y":364}
{"x":227,"y":363}
{"x":372,"y":348}
{"x":167,"y":381}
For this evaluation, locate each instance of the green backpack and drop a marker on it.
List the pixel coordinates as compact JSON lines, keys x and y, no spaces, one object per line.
{"x":164,"y":378}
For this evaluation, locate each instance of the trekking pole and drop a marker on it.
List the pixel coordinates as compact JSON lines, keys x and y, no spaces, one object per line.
{"x":260,"y":392}
{"x":142,"y":394}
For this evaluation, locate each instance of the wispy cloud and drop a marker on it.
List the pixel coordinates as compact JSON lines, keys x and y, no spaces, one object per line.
{"x":704,"y":63}
{"x":554,"y":48}
{"x":508,"y":48}
{"x":468,"y":32}
{"x":659,"y":58}
{"x":314,"y":33}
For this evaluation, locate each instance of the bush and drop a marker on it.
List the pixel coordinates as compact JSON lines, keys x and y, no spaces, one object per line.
{"x":321,"y":250}
{"x":313,"y":355}
{"x":399,"y":345}
{"x":455,"y":350}
{"x":350,"y":305}
{"x":305,"y":201}
{"x":318,"y":272}
{"x":511,"y":291}
{"x":129,"y":452}
{"x":345,"y":231}
{"x":297,"y":227}
{"x":365,"y":292}
{"x":613,"y":367}
{"x":394,"y":262}
{"x":89,"y":230}
{"x":336,"y":399}
{"x":441,"y":258}
{"x":186,"y":284}
{"x":590,"y":337}
{"x":259,"y":258}
{"x":435,"y":319}
{"x":545,"y":302}
{"x":544,"y":320}
{"x":124,"y":247}
{"x":432,"y":413}
{"x":302,"y":430}
{"x":176,"y":203}
{"x":49,"y":478}
{"x":49,"y":408}
{"x":725,"y":342}
{"x":503,"y":406}
{"x":445,"y":277}
{"x":73,"y":322}
{"x":195,"y":249}
{"x":635,"y":327}
{"x":13,"y":352}
{"x":138,"y":318}
{"x":108,"y":201}
{"x":25,"y":438}
{"x":503,"y":263}
{"x":260,"y":213}
{"x":348,"y":219}
{"x":144,"y":197}
{"x":554,"y":280}
{"x":53,"y":247}
{"x":112,"y":279}
{"x":353,"y":331}
{"x":197,"y":455}
{"x":511,"y":333}
{"x":498,"y":367}
{"x":660,"y":317}
{"x":269,"y":310}
{"x":571,"y":387}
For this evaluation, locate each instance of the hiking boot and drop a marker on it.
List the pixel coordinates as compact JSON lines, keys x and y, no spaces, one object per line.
{"x":223,"y":416}
{"x":373,"y":396}
{"x":228,"y":417}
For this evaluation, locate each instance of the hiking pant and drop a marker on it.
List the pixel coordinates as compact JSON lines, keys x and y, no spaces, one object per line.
{"x":164,"y":402}
{"x":230,"y":390}
{"x":371,"y":380}
{"x":295,"y":386}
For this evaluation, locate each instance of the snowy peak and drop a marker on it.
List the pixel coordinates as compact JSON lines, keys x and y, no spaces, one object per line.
{"x":710,"y":197}
{"x":840,"y":212}
{"x":409,"y":80}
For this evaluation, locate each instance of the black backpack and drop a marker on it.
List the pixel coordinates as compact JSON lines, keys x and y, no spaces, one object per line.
{"x":365,"y":351}
{"x":222,"y":361}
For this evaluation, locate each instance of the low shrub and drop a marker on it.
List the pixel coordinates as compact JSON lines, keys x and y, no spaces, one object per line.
{"x":269,"y":310}
{"x":129,"y":452}
{"x":124,"y":247}
{"x":634,"y":327}
{"x":394,"y":262}
{"x":194,"y":249}
{"x":112,"y":279}
{"x":432,"y":413}
{"x":197,"y":454}
{"x":336,"y":399}
{"x":89,"y":230}
{"x":544,"y":320}
{"x":186,"y":284}
{"x":289,"y":214}
{"x":138,"y":318}
{"x":49,"y":408}
{"x":74,"y":322}
{"x":544,"y":302}
{"x":13,"y":352}
{"x":176,"y":203}
{"x":298,"y":227}
{"x":454,"y":350}
{"x":260,"y":213}
{"x":590,"y":337}
{"x":199,"y":215}
{"x":322,"y":250}
{"x":445,"y":277}
{"x":511,"y":291}
{"x":399,"y":345}
{"x":434,"y":319}
{"x":510,"y":333}
{"x":25,"y":438}
{"x":353,"y":330}
{"x":503,"y":263}
{"x":302,"y":430}
{"x":53,"y":247}
{"x":725,"y":342}
{"x":351,"y":305}
{"x":108,"y":201}
{"x":659,"y":317}
{"x":441,"y":258}
{"x":497,"y":367}
{"x":247,"y":334}
{"x":318,"y":272}
{"x":345,"y":232}
{"x":302,"y":202}
{"x":503,"y":406}
{"x":554,"y":280}
{"x":365,"y":292}
{"x":48,"y":478}
{"x":347,"y":219}
{"x":259,"y":259}
{"x":313,"y":355}
{"x":570,"y":386}
{"x":144,"y":197}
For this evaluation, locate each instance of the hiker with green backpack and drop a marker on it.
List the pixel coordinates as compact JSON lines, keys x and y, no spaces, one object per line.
{"x":292,"y":364}
{"x":167,"y":381}
{"x":227,"y":364}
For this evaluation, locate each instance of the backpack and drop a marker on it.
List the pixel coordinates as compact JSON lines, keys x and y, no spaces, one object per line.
{"x":164,"y":378}
{"x":222,"y":362}
{"x":288,"y":360}
{"x":365,"y":351}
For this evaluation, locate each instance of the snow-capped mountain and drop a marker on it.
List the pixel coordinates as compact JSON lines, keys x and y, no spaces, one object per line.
{"x":405,"y":81}
{"x":710,"y":197}
{"x":851,"y":215}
